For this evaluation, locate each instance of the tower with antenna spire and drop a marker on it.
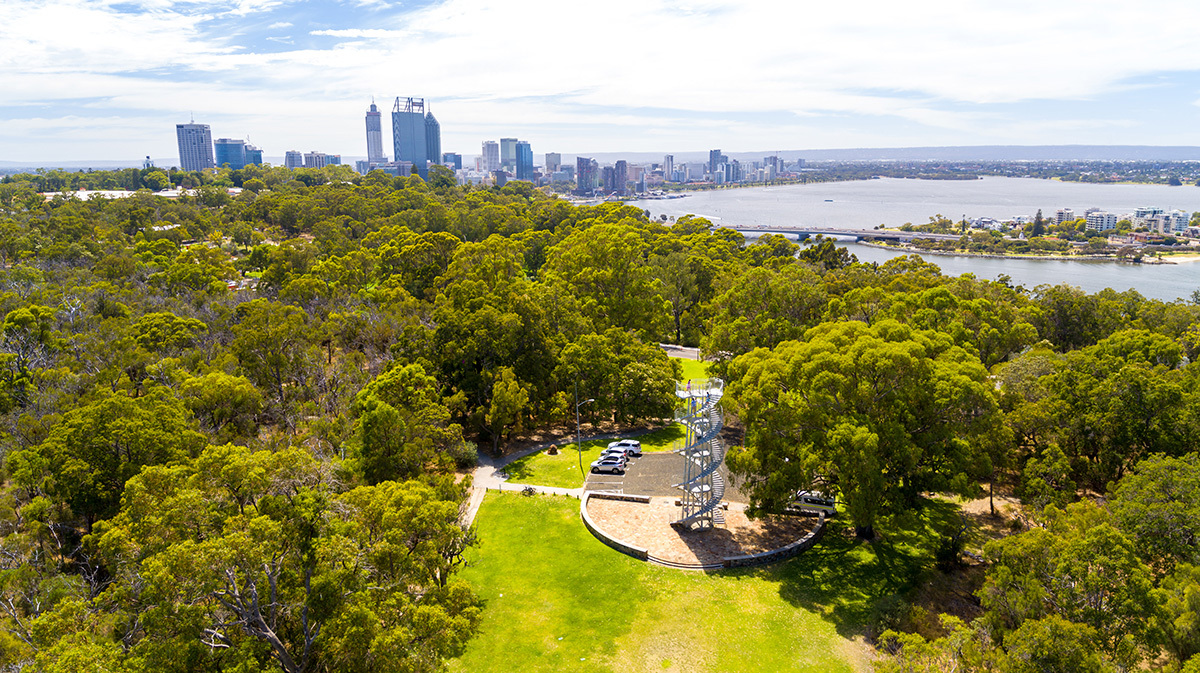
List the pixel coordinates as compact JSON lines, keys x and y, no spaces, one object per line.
{"x":195,"y":146}
{"x":375,"y":135}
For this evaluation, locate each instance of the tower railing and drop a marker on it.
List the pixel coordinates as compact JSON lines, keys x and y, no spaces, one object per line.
{"x":702,"y":485}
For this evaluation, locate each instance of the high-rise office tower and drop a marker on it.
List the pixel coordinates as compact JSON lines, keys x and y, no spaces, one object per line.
{"x":452,"y":160}
{"x":524,"y":161}
{"x":714,"y":160}
{"x":491,"y":156}
{"x":608,"y":178}
{"x":293,"y":159}
{"x":253,"y":155}
{"x":375,"y":134}
{"x":195,"y":146}
{"x":508,"y":152}
{"x":620,"y":176}
{"x":553,"y":161}
{"x":433,"y":139}
{"x":408,"y":132}
{"x":230,"y":151}
{"x":668,"y":167}
{"x":587,"y":173}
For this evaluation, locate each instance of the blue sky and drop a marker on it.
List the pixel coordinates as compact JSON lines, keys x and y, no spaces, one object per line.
{"x":95,"y":80}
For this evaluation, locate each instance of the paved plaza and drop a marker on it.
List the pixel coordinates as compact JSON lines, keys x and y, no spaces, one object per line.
{"x":649,"y":526}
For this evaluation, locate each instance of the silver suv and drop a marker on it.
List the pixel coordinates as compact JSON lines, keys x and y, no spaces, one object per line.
{"x":613,"y":464}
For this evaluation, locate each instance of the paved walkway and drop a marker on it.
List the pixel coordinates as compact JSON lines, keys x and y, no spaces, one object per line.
{"x":489,"y":474}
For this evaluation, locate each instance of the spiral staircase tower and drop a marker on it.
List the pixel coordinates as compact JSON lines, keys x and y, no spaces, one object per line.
{"x":702,"y":485}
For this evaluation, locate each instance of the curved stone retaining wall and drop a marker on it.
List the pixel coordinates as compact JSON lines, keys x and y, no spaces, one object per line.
{"x":785,"y":552}
{"x":624,"y":548}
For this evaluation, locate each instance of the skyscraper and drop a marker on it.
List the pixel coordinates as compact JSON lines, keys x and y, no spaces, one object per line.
{"x":230,"y":151}
{"x":195,"y":146}
{"x":608,"y":176}
{"x":433,"y":139}
{"x":452,"y":160}
{"x":620,"y":176}
{"x":714,"y":160}
{"x":253,"y":155}
{"x":586,"y":174}
{"x":491,"y":156}
{"x":553,"y":161}
{"x":293,"y":159}
{"x":375,"y":134}
{"x":668,"y":167}
{"x":524,"y":161}
{"x":508,"y":152}
{"x":408,"y":132}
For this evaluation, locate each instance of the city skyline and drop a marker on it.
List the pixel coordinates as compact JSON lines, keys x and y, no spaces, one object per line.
{"x":97,"y":80}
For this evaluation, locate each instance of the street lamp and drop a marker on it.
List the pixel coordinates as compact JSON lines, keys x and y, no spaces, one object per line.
{"x":578,"y":445}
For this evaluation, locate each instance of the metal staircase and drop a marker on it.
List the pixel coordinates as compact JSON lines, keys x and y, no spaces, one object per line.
{"x":703,"y":486}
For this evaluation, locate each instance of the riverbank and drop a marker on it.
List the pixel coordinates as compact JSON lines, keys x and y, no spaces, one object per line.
{"x":1175,"y":259}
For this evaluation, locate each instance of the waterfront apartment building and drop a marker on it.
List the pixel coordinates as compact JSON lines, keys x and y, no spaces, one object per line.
{"x":375,"y":135}
{"x":508,"y":153}
{"x":1100,"y":220}
{"x":1064,"y":215}
{"x":553,"y":162}
{"x":195,"y":146}
{"x":524,"y":161}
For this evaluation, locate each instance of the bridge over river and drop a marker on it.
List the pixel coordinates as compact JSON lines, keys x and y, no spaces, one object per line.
{"x":801,"y":233}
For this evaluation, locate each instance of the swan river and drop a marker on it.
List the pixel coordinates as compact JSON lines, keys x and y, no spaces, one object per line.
{"x":866,"y":203}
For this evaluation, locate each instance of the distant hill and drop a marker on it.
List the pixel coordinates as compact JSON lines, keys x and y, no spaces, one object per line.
{"x":965,"y":153}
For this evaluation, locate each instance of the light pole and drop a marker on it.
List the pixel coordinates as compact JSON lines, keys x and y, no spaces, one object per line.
{"x":578,"y":445}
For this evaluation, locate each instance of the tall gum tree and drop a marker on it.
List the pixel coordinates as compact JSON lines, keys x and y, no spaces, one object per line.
{"x":876,"y":414}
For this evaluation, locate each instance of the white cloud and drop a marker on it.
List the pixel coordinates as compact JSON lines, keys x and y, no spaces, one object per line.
{"x":368,"y":33}
{"x":737,"y":74}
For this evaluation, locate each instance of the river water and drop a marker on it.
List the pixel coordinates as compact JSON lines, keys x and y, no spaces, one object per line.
{"x":866,"y":203}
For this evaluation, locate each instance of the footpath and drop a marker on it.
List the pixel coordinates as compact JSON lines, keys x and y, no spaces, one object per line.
{"x":490,"y":474}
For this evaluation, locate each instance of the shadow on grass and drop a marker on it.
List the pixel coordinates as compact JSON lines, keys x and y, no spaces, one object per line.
{"x":851,"y":582}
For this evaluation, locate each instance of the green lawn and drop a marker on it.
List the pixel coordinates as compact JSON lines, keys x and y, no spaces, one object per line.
{"x":693,"y":369}
{"x":562,"y":470}
{"x":559,"y":600}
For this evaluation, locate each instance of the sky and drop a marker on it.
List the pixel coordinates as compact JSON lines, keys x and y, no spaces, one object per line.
{"x":100,"y":80}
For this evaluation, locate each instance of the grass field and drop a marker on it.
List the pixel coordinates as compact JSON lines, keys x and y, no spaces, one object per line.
{"x":559,"y":600}
{"x":693,"y":369}
{"x":562,"y":470}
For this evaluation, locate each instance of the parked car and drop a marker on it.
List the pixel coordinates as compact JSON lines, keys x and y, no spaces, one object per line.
{"x":814,"y":501}
{"x":613,"y":464}
{"x":625,"y":451}
{"x":634,"y":446}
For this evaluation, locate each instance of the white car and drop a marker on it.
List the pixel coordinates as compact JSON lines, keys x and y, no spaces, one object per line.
{"x":623,"y":451}
{"x":632,"y":447}
{"x":613,"y":464}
